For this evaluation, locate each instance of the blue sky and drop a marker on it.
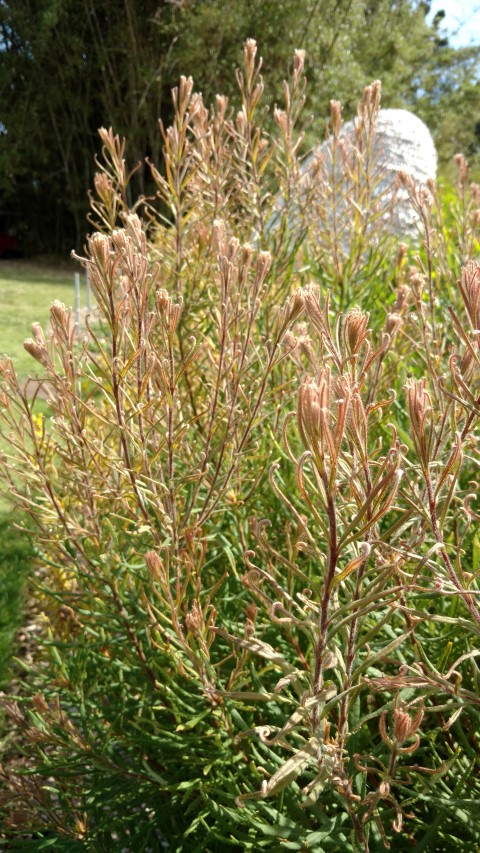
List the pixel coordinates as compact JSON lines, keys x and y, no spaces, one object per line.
{"x":462,"y":20}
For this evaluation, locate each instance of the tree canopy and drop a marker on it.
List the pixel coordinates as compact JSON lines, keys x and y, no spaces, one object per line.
{"x":69,"y":67}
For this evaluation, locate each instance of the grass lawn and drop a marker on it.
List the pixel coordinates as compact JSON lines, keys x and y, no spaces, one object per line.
{"x":26,"y":292}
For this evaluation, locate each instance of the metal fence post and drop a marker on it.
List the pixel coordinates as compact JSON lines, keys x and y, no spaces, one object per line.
{"x":77,"y":302}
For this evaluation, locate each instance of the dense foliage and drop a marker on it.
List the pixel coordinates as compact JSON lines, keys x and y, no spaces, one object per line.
{"x":15,"y":564}
{"x":254,"y":506}
{"x":69,"y":67}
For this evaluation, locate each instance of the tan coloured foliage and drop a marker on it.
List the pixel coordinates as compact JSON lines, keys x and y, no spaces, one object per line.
{"x":172,"y":443}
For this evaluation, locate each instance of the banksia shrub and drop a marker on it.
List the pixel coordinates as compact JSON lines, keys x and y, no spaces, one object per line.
{"x":254,"y":506}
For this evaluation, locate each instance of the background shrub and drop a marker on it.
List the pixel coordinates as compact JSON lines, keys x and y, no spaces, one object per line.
{"x":257,"y":557}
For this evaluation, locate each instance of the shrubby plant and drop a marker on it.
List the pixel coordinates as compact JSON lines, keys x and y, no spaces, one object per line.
{"x":255,"y":507}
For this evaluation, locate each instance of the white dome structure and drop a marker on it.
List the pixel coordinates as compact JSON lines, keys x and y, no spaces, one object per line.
{"x":402,"y":143}
{"x":406,"y":143}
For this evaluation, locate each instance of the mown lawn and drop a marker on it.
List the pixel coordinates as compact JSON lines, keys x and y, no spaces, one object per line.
{"x":26,"y":291}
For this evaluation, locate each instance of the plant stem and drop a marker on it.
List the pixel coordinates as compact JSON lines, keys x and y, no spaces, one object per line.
{"x":446,"y":559}
{"x":324,"y":610}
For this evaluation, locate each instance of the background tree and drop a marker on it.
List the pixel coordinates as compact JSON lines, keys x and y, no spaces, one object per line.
{"x":69,"y":67}
{"x":66,"y":69}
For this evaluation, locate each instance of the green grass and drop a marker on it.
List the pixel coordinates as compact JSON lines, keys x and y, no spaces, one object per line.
{"x":26,"y":292}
